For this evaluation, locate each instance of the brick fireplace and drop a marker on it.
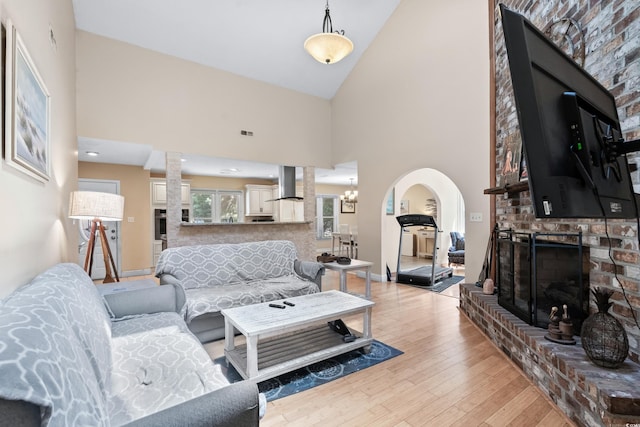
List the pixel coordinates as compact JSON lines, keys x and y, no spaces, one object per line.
{"x":589,"y":395}
{"x":613,"y":247}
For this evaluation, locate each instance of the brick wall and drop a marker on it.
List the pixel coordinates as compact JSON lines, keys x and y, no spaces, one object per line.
{"x":612,"y":47}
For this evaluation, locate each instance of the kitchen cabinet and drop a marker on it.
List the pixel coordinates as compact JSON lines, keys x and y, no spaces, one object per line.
{"x":426,"y":242}
{"x":289,"y":211}
{"x":157,"y":250}
{"x":408,"y":244}
{"x":159,"y":193}
{"x":259,"y":200}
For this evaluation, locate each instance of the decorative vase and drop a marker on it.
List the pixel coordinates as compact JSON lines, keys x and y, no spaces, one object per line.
{"x":604,"y":339}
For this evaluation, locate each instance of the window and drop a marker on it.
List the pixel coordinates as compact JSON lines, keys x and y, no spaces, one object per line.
{"x":326,"y":216}
{"x":217,"y":206}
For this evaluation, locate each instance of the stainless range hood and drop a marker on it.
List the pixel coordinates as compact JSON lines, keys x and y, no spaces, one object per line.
{"x":287,"y":183}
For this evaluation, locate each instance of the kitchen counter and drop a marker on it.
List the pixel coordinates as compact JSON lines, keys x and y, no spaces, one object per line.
{"x":231,"y":224}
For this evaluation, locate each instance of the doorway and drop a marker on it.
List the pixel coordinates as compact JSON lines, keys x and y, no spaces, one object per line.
{"x":427,"y":192}
{"x":112,"y":229}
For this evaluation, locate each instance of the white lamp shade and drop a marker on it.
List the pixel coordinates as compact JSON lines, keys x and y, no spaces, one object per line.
{"x":92,"y":204}
{"x":328,"y":48}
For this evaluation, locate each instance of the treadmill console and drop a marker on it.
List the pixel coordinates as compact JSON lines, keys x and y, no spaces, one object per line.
{"x":416,"y":219}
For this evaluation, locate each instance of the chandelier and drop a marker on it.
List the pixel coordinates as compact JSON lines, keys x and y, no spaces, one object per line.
{"x":350,"y":195}
{"x":328,"y":46}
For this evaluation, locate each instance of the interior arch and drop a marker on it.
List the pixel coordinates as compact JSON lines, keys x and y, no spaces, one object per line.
{"x":450,"y":211}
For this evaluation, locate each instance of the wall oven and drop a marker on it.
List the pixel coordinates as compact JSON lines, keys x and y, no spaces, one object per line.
{"x":160,"y":222}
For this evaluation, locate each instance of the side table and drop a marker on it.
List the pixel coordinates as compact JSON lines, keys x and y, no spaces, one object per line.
{"x":356,"y":264}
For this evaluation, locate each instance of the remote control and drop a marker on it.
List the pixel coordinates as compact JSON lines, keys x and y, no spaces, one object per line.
{"x":276,"y":306}
{"x":290,"y":304}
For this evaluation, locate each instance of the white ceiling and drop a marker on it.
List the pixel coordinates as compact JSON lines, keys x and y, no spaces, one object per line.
{"x":261,"y":40}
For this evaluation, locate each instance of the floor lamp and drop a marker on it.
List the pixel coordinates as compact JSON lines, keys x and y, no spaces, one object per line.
{"x":97,"y":207}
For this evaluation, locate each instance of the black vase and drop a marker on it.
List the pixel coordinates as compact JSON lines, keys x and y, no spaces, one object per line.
{"x":604,"y":339}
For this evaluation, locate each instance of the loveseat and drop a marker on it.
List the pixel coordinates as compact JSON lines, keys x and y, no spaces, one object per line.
{"x":68,"y":357}
{"x":219,"y":276}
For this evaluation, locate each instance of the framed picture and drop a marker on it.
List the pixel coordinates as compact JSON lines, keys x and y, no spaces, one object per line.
{"x":347,"y":207}
{"x":404,"y":207}
{"x":391,"y":201}
{"x":27,"y":139}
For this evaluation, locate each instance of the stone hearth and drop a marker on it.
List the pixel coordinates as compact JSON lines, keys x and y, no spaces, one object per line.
{"x":588,"y":394}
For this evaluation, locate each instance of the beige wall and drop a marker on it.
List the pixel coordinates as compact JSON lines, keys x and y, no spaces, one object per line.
{"x":135,"y":187}
{"x":417,"y":196}
{"x":419,"y":98}
{"x":36,"y":232}
{"x":179,"y":106}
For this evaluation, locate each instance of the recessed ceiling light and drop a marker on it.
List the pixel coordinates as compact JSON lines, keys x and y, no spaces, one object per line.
{"x":183,"y":160}
{"x":230,"y":170}
{"x":92,"y":153}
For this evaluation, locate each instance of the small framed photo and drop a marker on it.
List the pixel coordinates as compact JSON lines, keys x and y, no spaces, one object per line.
{"x":404,"y":207}
{"x":27,"y":138}
{"x":347,"y":207}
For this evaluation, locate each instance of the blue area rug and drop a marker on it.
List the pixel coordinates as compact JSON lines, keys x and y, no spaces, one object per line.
{"x":318,"y":373}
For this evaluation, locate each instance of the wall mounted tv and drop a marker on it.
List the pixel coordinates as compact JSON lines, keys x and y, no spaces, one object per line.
{"x":573,"y":147}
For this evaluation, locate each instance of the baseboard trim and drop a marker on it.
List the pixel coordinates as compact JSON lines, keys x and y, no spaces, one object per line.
{"x":144,"y":272}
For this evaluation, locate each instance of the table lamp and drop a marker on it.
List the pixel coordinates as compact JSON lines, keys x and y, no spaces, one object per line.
{"x":97,"y":207}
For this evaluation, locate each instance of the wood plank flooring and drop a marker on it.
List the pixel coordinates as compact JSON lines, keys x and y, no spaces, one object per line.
{"x":449,"y":374}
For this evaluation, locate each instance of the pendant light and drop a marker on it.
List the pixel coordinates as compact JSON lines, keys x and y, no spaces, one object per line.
{"x":328,"y":46}
{"x":350,"y":195}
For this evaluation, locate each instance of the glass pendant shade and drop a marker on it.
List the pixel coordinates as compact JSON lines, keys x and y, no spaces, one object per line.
{"x":328,"y":48}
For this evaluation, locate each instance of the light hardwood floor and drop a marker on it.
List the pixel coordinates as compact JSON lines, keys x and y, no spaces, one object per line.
{"x":449,"y":374}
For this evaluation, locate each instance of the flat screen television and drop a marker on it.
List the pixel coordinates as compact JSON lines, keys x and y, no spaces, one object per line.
{"x":573,"y":147}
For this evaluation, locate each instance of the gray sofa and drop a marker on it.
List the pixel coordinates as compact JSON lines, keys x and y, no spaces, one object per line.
{"x":69,"y":359}
{"x":219,"y":276}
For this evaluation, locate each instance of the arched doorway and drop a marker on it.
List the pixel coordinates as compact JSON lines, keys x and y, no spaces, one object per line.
{"x":417,"y":192}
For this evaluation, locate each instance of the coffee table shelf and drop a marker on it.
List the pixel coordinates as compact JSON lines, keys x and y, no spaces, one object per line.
{"x":282,"y":340}
{"x":284,"y":354}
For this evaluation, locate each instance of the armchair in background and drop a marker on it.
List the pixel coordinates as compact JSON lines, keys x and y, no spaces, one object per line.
{"x":456,"y":250}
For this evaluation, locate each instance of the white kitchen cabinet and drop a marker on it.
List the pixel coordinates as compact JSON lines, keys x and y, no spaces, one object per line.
{"x":159,"y":193}
{"x":426,"y":241}
{"x":289,"y":211}
{"x":408,"y":244}
{"x":259,"y":200}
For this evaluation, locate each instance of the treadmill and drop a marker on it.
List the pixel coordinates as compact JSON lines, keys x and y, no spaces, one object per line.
{"x":426,"y":275}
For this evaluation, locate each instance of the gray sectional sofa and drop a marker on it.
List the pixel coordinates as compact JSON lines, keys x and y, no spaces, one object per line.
{"x":69,"y":359}
{"x":219,"y":276}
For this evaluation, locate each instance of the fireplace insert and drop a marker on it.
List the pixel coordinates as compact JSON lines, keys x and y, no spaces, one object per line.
{"x":537,"y":271}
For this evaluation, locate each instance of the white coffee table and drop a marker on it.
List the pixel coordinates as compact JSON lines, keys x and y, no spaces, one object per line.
{"x":283,"y":340}
{"x":356,"y":264}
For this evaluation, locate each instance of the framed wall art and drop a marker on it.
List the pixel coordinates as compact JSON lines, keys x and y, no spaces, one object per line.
{"x":27,"y":101}
{"x":391,"y":201}
{"x":404,"y":207}
{"x":347,"y":207}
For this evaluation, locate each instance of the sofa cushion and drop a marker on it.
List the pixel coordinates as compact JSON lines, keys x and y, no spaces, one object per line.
{"x":460,"y":243}
{"x":210,"y":265}
{"x":157,"y":363}
{"x":215,"y":298}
